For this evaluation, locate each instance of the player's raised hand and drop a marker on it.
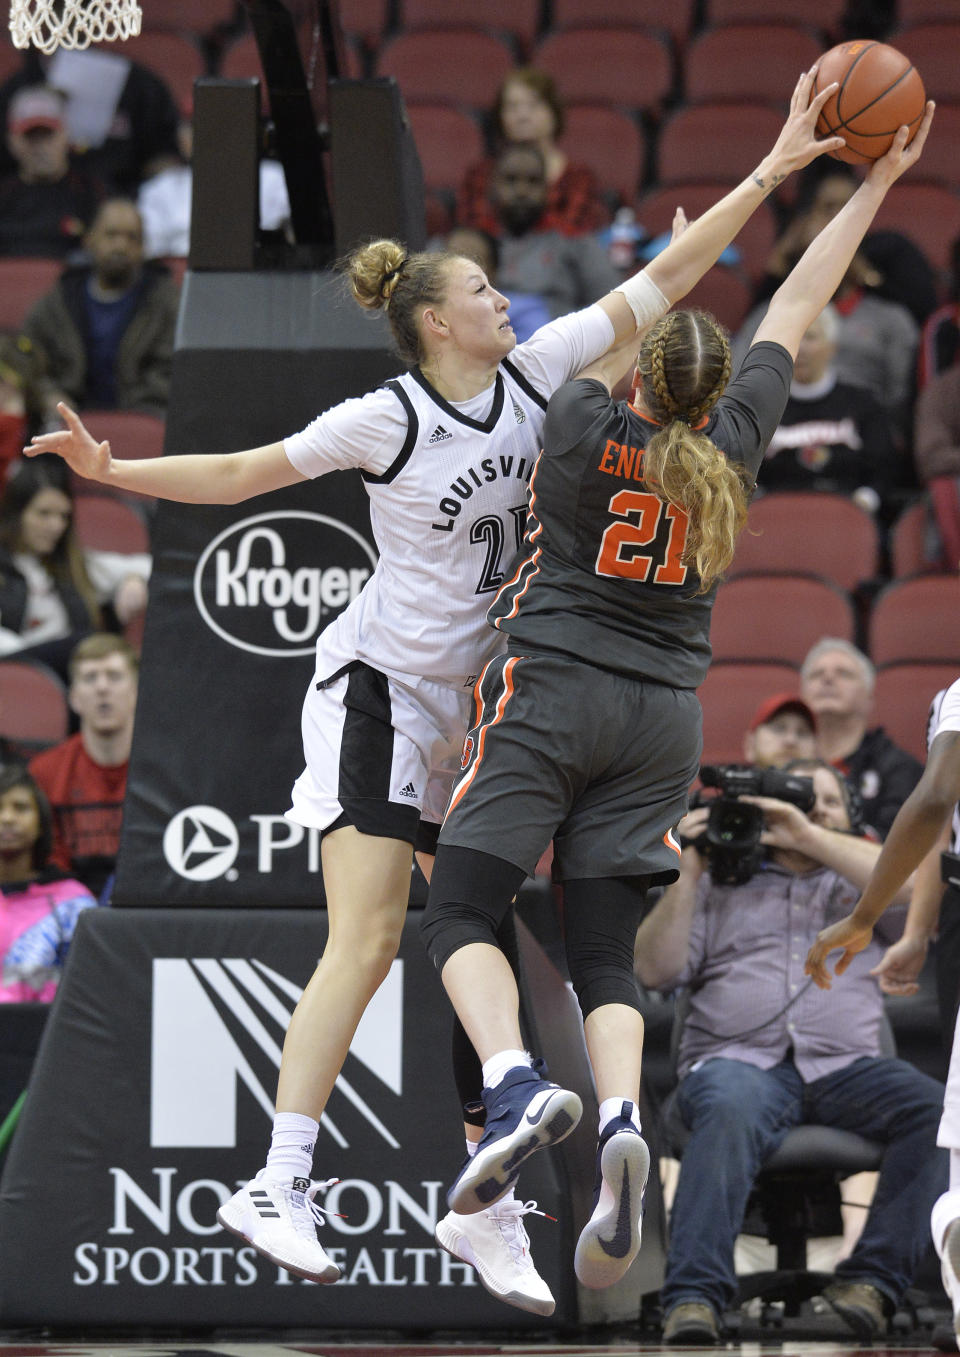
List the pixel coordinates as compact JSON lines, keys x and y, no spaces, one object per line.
{"x":901,"y":155}
{"x":798,"y":142}
{"x":75,"y":444}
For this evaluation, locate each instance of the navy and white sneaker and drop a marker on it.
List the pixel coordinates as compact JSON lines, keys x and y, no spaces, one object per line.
{"x":610,"y":1240}
{"x":280,"y":1220}
{"x":524,"y":1113}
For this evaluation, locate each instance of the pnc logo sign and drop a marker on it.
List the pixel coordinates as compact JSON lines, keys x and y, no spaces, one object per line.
{"x":259,"y":586}
{"x":201,"y":843}
{"x":217,"y":1025}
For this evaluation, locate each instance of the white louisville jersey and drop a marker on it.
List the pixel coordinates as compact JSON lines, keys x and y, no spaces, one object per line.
{"x":448,"y":504}
{"x":945,"y":715}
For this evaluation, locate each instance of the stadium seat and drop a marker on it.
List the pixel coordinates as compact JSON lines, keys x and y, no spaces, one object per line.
{"x":518,"y":19}
{"x":611,"y":142}
{"x":940,"y":163}
{"x":915,"y":619}
{"x":108,"y":523}
{"x":923,"y":11}
{"x":933,"y":48}
{"x":902,"y":697}
{"x":449,"y":65}
{"x":365,"y":21}
{"x":616,"y":66}
{"x":725,"y":293}
{"x":777,"y":617}
{"x":34,"y":711}
{"x":914,"y":543}
{"x":175,"y":57}
{"x":729,"y":695}
{"x":760,"y":62}
{"x":820,"y":15}
{"x":22,"y":282}
{"x":676,"y":18}
{"x":446,"y":138}
{"x":754,"y":241}
{"x":129,"y":432}
{"x":811,"y":533}
{"x":738,"y":135}
{"x":190,"y":17}
{"x":928,"y":213}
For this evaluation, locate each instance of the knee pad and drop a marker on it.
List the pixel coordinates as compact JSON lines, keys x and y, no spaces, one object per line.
{"x":470,"y":893}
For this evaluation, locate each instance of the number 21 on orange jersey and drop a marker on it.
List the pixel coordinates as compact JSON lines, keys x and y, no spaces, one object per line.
{"x":638,"y":515}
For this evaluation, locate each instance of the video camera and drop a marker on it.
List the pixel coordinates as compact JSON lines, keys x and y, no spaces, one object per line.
{"x":731,"y":840}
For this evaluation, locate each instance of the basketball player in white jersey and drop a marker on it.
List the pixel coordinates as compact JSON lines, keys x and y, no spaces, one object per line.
{"x":445,"y":451}
{"x":915,"y":841}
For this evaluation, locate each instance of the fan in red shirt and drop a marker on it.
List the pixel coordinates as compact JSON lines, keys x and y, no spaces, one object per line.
{"x":85,"y":777}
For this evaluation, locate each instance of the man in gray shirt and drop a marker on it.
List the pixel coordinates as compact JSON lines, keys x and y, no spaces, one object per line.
{"x":764,"y":1050}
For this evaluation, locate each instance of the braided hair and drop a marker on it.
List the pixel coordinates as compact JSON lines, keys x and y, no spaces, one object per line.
{"x":684,"y":366}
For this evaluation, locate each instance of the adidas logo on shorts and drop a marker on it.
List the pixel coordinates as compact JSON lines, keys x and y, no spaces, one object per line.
{"x":410,"y":790}
{"x":439,"y":435}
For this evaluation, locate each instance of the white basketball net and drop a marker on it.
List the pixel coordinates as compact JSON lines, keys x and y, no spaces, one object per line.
{"x":49,"y":24}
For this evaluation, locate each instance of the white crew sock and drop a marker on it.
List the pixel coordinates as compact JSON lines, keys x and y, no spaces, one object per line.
{"x":500,"y":1064}
{"x":291,"y":1147}
{"x":611,"y":1109}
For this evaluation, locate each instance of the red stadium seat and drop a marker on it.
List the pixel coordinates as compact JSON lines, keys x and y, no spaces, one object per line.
{"x":940,"y":163}
{"x":777,"y":617}
{"x":810,"y":533}
{"x":738,"y":137}
{"x":446,"y":138}
{"x":518,"y":19}
{"x":933,"y":49}
{"x":916,"y":619}
{"x":189,"y":16}
{"x":761,"y":62}
{"x":729,"y":695}
{"x":450,"y":65}
{"x":107,"y":523}
{"x":901,"y":700}
{"x":915,"y":547}
{"x":611,"y":142}
{"x":677,"y":18}
{"x":922,"y":11}
{"x":175,"y":57}
{"x":365,"y":20}
{"x":725,"y":293}
{"x":22,"y":282}
{"x":822,"y":15}
{"x":130,"y":433}
{"x":754,"y":242}
{"x":34,"y":711}
{"x":928,"y":213}
{"x":619,"y":66}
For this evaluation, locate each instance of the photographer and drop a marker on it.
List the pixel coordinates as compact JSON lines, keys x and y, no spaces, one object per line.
{"x":763,"y":1050}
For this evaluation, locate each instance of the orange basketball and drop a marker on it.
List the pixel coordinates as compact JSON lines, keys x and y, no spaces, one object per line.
{"x":880,"y":90}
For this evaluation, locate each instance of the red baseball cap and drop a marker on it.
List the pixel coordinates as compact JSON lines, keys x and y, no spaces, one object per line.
{"x":773,"y":706}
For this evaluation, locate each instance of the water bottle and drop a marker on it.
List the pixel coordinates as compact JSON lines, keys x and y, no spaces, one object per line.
{"x":622,"y":246}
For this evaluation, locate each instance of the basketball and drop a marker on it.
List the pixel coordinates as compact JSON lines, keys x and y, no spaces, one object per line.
{"x":880,"y":90}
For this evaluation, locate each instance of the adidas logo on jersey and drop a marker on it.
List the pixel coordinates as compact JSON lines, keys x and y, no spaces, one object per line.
{"x":410,"y":791}
{"x":439,"y":435}
{"x":521,"y":417}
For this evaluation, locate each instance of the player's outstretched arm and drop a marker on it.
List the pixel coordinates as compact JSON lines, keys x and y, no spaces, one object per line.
{"x":686,"y":259}
{"x":216,"y":478}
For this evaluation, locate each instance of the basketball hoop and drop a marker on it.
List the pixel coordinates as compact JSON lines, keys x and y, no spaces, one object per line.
{"x":49,"y":24}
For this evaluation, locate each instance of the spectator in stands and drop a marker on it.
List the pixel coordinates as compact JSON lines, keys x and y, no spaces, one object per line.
{"x":940,"y":337}
{"x":51,"y":591}
{"x":48,"y":200}
{"x":833,"y":436}
{"x":836,"y":682}
{"x":22,"y":404}
{"x":40,"y":904}
{"x":121,"y":116}
{"x":528,"y":109}
{"x":165,"y":200}
{"x":544,"y":273}
{"x":783,"y":729}
{"x":752,"y":1066}
{"x":106,"y":328}
{"x":85,"y":777}
{"x":936,"y":452}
